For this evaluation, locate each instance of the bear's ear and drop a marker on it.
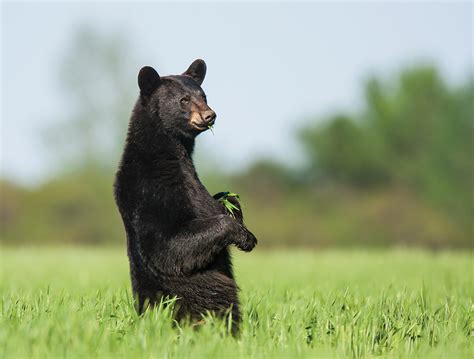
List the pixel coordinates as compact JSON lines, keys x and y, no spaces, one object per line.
{"x":197,"y":71}
{"x":148,"y":80}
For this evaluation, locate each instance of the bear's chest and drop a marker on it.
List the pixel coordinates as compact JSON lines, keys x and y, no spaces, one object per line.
{"x":201,"y":202}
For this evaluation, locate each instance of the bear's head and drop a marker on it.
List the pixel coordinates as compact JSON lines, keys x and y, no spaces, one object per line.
{"x":177,"y":103}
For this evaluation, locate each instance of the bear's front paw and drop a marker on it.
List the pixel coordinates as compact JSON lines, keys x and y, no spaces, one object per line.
{"x":247,"y":240}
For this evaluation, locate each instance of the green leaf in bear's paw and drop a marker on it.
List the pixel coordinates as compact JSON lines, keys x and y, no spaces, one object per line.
{"x":223,"y":198}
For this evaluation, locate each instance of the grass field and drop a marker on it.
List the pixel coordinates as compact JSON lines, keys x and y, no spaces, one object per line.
{"x":76,"y":302}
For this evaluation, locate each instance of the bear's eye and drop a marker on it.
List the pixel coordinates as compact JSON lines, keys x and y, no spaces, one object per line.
{"x":185,"y":100}
{"x":204,"y":97}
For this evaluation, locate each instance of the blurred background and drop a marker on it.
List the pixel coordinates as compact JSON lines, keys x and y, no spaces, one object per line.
{"x":341,"y":124}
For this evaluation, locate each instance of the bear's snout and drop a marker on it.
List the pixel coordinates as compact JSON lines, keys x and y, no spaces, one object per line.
{"x":202,"y":119}
{"x":209,"y":117}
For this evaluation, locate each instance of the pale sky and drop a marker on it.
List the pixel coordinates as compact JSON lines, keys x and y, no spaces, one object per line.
{"x":271,"y":66}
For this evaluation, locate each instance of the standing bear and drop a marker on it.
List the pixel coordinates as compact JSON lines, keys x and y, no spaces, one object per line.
{"x":178,"y":235}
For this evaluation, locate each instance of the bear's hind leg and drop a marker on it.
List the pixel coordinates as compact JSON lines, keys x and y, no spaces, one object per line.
{"x":207,"y":292}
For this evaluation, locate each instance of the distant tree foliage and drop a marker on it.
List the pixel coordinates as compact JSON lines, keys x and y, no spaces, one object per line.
{"x":416,"y":131}
{"x":399,"y":172}
{"x":94,"y":79}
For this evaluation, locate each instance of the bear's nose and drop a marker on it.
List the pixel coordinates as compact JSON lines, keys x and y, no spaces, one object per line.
{"x":209,"y":116}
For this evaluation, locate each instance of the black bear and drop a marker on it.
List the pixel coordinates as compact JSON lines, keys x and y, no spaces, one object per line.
{"x":177,"y":234}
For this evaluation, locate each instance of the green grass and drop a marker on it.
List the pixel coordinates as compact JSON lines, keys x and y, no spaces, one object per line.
{"x":76,"y":302}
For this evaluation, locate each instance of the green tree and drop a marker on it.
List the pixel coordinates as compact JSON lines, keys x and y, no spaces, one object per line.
{"x":416,"y":131}
{"x":94,"y":78}
{"x":76,"y":204}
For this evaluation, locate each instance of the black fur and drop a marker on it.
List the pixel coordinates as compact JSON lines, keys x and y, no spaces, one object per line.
{"x":177,"y":233}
